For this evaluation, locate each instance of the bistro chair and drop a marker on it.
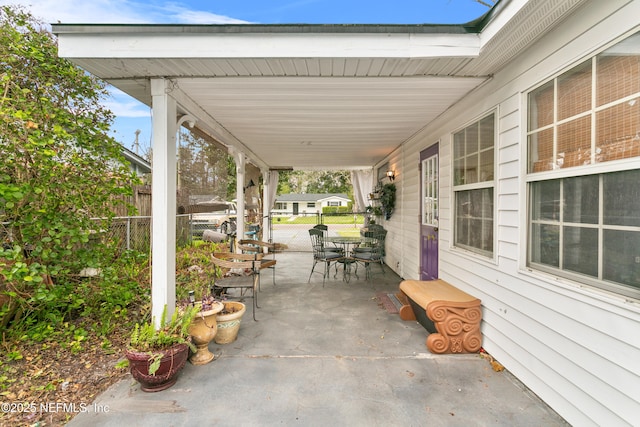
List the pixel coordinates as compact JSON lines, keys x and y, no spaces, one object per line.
{"x":243,"y":274}
{"x":325,"y":231}
{"x":372,"y":254}
{"x":320,"y":254}
{"x":250,"y":246}
{"x":371,"y":233}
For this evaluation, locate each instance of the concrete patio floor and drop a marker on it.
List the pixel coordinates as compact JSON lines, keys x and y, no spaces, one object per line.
{"x":327,"y":356}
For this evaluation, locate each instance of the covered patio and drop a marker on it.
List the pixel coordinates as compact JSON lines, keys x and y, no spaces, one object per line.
{"x":297,"y":96}
{"x":470,"y":113}
{"x":327,"y":356}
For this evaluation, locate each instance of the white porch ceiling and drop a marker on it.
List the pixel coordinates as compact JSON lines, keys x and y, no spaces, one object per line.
{"x":325,"y":122}
{"x":311,"y":97}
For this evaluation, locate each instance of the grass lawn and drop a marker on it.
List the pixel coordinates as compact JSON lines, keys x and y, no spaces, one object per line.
{"x":349,"y":232}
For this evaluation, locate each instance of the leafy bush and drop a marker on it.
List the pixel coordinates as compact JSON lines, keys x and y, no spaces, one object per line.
{"x":59,"y":172}
{"x":336,"y":210}
{"x":194,"y":269}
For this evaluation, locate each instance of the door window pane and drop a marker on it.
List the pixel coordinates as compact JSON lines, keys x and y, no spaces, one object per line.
{"x":430,"y":191}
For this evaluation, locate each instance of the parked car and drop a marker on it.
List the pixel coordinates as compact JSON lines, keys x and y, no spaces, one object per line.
{"x":213,"y":215}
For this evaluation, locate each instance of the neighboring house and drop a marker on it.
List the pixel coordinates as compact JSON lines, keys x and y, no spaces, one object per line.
{"x":307,"y":204}
{"x":138,"y":165}
{"x":141,"y":194}
{"x":515,"y":144}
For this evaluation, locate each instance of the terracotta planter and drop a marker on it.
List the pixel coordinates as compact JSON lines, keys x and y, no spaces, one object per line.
{"x":203,"y":329}
{"x":229,"y":324}
{"x":171,"y":364}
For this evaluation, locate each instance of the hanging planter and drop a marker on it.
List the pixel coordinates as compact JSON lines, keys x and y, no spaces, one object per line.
{"x":388,"y":199}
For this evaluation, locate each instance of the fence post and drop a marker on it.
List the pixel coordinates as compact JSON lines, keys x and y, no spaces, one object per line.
{"x":128,"y":233}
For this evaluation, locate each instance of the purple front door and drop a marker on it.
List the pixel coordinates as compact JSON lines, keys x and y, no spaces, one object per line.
{"x":429,"y":213}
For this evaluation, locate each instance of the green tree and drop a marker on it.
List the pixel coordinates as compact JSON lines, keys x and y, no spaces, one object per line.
{"x":59,"y":170}
{"x":204,"y":167}
{"x":315,"y":182}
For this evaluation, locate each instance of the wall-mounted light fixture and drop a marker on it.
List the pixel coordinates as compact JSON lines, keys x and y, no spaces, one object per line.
{"x":249,"y":185}
{"x":391,"y":174}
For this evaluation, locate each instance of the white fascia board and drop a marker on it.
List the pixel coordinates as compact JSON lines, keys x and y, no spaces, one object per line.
{"x":506,"y":13}
{"x":268,"y":45}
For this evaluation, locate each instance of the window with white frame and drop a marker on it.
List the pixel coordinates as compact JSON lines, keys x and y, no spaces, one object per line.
{"x":311,"y":204}
{"x":583,"y":140}
{"x":473,"y":184}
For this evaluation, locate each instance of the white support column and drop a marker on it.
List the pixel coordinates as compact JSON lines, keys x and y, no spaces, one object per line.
{"x":163,"y":205}
{"x":266,"y":204}
{"x":240,"y":166}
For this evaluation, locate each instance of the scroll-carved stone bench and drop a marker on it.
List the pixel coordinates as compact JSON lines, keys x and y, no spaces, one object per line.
{"x":450,"y":315}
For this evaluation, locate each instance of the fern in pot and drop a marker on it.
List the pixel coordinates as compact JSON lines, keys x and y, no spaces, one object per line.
{"x":156,"y":356}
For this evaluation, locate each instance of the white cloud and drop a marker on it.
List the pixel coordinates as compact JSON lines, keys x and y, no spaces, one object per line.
{"x":182,"y":14}
{"x":118,"y":12}
{"x":127,"y":108}
{"x":130,"y":114}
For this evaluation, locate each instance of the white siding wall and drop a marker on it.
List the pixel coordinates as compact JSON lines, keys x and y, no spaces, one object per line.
{"x":398,"y":227}
{"x":576,"y":347}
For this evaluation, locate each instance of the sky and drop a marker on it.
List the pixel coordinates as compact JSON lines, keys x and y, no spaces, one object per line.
{"x":132,"y":115}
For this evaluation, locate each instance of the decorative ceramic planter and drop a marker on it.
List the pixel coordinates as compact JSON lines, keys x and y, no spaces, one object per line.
{"x":171,"y":364}
{"x":229,"y":324}
{"x":203,"y":329}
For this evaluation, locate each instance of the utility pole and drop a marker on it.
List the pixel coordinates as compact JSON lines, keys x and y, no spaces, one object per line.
{"x":136,"y":144}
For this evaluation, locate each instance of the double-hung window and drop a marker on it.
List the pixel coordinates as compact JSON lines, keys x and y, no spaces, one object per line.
{"x":473,"y":183}
{"x":583,"y":141}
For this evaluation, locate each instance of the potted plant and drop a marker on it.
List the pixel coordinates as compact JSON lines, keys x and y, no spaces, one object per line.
{"x":194,"y":274}
{"x":156,"y":356}
{"x":203,"y":327}
{"x":229,"y":320}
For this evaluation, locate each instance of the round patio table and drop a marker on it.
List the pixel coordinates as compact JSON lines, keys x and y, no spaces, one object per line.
{"x":347,"y":242}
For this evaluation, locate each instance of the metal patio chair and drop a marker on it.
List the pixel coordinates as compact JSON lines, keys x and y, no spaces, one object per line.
{"x":371,"y":254}
{"x":243,"y":274}
{"x":320,"y":254}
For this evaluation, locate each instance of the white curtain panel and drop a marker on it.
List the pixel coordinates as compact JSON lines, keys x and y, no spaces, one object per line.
{"x":362,"y":181}
{"x":274,"y":177}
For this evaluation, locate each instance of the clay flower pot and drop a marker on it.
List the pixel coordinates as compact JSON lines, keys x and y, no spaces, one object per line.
{"x":229,"y":323}
{"x":203,"y":329}
{"x":172,"y":361}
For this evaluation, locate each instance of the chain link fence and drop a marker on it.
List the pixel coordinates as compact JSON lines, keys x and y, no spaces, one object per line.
{"x":287,"y":229}
{"x":292,"y":231}
{"x":131,"y":233}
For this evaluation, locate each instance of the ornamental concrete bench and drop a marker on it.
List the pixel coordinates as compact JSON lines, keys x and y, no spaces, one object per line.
{"x":450,"y":315}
